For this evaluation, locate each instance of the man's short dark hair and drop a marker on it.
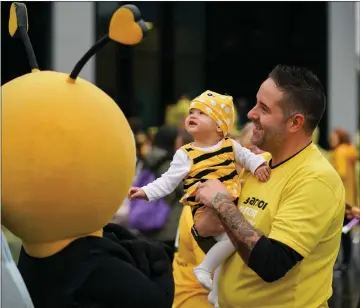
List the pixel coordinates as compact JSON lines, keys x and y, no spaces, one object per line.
{"x":303,"y":93}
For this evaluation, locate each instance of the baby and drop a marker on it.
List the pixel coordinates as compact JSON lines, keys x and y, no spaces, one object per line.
{"x":211,"y":156}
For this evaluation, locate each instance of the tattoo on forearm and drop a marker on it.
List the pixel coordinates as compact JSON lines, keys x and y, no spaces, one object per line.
{"x":242,"y":234}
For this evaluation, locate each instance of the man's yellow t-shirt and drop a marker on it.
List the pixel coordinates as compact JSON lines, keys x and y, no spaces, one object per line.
{"x":302,"y":206}
{"x":188,"y":292}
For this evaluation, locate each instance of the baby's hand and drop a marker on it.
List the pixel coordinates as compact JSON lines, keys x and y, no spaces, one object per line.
{"x":263,"y":173}
{"x":136,"y":193}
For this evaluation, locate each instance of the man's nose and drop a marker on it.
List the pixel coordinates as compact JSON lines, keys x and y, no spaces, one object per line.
{"x":252,"y":114}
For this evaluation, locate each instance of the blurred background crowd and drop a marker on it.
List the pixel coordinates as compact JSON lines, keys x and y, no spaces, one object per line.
{"x":228,"y":47}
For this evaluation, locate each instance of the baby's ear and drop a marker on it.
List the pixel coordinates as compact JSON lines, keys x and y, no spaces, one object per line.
{"x":218,"y":129}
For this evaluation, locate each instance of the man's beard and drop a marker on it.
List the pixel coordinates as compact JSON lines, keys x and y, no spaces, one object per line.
{"x":269,"y":140}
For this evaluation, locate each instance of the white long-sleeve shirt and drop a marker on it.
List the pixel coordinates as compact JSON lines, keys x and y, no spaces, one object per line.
{"x":181,"y":164}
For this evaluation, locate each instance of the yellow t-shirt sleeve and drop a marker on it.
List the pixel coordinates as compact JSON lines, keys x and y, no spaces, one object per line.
{"x":306,"y":211}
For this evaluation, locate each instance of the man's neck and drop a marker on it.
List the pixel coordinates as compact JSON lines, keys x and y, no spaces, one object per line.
{"x":288,"y":149}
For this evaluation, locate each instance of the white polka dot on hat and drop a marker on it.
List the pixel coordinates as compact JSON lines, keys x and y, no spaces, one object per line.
{"x":217,"y":106}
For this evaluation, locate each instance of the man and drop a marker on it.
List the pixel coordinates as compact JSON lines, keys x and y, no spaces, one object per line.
{"x":287,"y":232}
{"x":245,"y":138}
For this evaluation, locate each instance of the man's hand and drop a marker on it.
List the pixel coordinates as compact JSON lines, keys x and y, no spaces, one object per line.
{"x":136,"y":193}
{"x":207,"y":191}
{"x":241,"y":233}
{"x":208,"y":223}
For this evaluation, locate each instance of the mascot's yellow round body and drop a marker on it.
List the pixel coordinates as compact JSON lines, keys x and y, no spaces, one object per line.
{"x":68,"y":153}
{"x":65,"y":139}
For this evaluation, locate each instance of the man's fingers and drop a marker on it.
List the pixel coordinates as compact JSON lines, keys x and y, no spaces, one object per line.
{"x":197,"y":197}
{"x":201,"y":185}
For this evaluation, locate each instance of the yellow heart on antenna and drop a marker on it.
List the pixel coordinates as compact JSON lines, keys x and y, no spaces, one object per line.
{"x":126,"y":27}
{"x":18,"y":18}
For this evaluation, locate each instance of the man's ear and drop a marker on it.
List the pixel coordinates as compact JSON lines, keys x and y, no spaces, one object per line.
{"x":297,"y":122}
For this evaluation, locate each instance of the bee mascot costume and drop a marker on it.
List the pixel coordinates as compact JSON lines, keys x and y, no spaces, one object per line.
{"x":68,"y":160}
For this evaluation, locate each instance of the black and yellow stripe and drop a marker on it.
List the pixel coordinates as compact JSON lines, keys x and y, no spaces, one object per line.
{"x":218,"y":164}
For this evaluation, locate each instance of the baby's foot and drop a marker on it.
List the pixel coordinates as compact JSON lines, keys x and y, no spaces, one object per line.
{"x":203,"y":277}
{"x":213,"y":299}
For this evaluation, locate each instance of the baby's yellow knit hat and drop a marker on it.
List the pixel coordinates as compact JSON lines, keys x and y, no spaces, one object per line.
{"x":218,"y":107}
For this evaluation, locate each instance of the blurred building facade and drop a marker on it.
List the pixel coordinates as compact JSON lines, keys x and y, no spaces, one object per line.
{"x":228,"y":47}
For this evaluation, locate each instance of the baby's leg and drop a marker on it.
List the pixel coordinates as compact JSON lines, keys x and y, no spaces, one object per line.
{"x":215,"y":257}
{"x":213,"y":295}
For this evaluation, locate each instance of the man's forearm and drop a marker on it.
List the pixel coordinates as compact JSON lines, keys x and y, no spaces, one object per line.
{"x":242,"y":234}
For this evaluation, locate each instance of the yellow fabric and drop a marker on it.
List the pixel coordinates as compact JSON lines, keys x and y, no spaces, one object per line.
{"x":218,"y":107}
{"x":68,"y":158}
{"x":344,"y":159}
{"x":188,"y":292}
{"x":217,"y":164}
{"x":45,"y":249}
{"x":302,"y":206}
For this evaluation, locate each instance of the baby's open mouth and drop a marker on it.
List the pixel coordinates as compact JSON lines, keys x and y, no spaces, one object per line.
{"x":191,"y":122}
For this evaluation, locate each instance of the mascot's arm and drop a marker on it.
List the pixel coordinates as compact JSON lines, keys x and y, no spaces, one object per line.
{"x":120,"y":232}
{"x":121,"y":285}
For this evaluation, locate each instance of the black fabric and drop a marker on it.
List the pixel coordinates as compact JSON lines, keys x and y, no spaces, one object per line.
{"x":346,"y":245}
{"x":271,"y":260}
{"x":205,"y":243}
{"x":202,"y":157}
{"x":169,"y":246}
{"x":117,"y":270}
{"x":283,"y":162}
